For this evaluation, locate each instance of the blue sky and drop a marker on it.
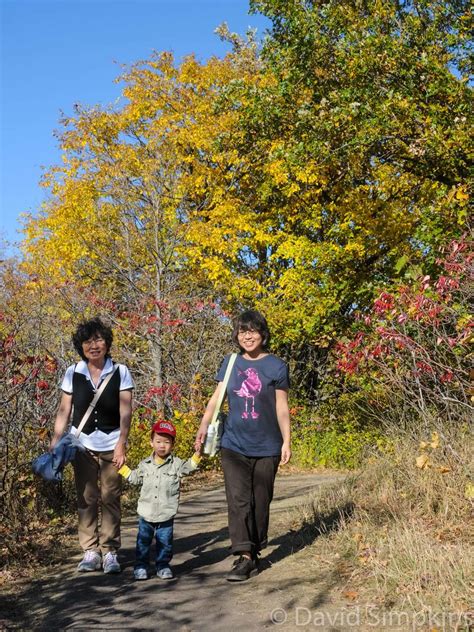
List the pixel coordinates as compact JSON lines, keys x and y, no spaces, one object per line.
{"x":56,"y":53}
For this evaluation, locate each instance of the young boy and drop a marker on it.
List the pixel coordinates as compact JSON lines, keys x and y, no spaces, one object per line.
{"x":159,"y":475}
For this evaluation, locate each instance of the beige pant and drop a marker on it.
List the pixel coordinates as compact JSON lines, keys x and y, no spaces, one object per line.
{"x":98,"y":483}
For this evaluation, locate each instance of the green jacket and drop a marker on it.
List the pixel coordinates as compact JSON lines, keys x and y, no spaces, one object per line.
{"x":159,"y":495}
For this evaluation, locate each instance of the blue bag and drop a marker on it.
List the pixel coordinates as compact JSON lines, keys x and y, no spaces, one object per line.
{"x":51,"y":464}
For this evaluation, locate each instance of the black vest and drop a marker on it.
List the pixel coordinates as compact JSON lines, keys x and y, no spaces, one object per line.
{"x":106,"y":414}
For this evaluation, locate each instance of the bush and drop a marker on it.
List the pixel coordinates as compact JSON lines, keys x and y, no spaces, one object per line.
{"x":414,"y":346}
{"x":332,"y":435}
{"x":30,"y":371}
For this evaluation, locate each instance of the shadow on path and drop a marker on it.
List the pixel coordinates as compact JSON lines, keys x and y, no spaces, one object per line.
{"x":198,"y":599}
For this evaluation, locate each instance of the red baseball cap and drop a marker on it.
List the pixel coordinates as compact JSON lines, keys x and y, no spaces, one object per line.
{"x":164,"y":427}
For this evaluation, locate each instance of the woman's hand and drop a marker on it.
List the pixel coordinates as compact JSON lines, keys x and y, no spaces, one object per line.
{"x":201,"y":436}
{"x":206,"y":419}
{"x":125,"y":399}
{"x":285,"y":453}
{"x":54,"y":441}
{"x":120,"y":456}
{"x":283,"y":416}
{"x":62,"y":418}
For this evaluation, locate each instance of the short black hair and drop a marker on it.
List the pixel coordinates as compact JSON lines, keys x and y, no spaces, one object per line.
{"x":89,"y":328}
{"x":248,"y":320}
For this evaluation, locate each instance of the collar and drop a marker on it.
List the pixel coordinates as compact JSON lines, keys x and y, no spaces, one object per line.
{"x":150,"y":459}
{"x":83,"y":368}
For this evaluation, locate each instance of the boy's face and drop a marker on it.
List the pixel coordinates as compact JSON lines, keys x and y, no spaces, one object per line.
{"x":162,"y":445}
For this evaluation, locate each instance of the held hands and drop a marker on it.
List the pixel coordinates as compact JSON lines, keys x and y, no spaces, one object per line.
{"x":119,"y":457}
{"x":200,"y":437}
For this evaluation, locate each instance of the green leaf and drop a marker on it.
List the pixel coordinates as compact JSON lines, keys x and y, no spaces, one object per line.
{"x":401,"y":263}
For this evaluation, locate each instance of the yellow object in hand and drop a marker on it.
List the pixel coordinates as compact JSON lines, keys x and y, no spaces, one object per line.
{"x":196,"y":458}
{"x":125,"y":471}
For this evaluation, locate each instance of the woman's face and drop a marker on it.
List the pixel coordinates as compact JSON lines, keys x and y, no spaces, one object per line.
{"x":250,"y":341}
{"x":95,"y":348}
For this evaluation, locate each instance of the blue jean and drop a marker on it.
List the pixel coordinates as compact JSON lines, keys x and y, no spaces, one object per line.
{"x":163,"y":532}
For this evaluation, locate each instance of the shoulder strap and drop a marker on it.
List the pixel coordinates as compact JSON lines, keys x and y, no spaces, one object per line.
{"x":95,"y":400}
{"x":220,"y":399}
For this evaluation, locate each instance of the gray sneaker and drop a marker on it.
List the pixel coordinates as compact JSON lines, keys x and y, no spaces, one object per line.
{"x":140,"y":573}
{"x":110,"y":563}
{"x":90,"y":562}
{"x":165,"y":573}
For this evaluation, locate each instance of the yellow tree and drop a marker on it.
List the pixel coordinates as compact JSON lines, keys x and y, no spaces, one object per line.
{"x":116,"y":221}
{"x":350,"y":161}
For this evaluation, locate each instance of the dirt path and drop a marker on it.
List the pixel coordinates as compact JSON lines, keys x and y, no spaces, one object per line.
{"x":199,"y":599}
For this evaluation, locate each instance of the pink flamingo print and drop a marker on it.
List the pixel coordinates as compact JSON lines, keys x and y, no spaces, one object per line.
{"x":251,"y":386}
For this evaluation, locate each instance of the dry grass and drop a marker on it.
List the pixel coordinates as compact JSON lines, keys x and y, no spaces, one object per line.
{"x":408,"y":540}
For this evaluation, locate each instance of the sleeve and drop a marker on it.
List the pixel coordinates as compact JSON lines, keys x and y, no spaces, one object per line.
{"x":125,"y":471}
{"x":66,"y":384}
{"x":221,"y":372}
{"x":126,"y":381}
{"x":282,"y":381}
{"x":134,"y":477}
{"x":189,"y":466}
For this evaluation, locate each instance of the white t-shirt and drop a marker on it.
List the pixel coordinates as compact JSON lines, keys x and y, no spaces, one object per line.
{"x":98,"y":441}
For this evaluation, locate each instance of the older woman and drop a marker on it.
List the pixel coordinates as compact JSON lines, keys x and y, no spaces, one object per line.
{"x":104,"y":437}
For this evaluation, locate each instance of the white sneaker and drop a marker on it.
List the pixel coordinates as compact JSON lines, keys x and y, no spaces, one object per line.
{"x":140,"y":573}
{"x":90,"y":562}
{"x":110,"y":563}
{"x":165,"y":573}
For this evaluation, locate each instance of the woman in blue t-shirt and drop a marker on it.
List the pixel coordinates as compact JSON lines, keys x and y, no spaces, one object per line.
{"x":256,"y":438}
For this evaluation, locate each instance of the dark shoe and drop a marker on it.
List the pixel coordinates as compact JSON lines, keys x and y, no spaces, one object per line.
{"x":242,"y":569}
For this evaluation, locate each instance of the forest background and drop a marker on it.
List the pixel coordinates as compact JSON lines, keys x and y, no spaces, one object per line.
{"x":321,"y":176}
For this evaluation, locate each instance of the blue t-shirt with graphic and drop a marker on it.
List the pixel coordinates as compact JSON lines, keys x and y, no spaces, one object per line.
{"x":251,"y":427}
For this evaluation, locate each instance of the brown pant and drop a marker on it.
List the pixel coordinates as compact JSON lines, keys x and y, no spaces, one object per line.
{"x":98,"y":483}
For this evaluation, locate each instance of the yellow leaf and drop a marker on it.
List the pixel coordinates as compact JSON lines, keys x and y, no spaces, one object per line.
{"x":42,"y":433}
{"x":423,"y":445}
{"x":434,"y":440}
{"x":461,"y":194}
{"x":423,"y":461}
{"x":469,"y":491}
{"x":444,"y":469}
